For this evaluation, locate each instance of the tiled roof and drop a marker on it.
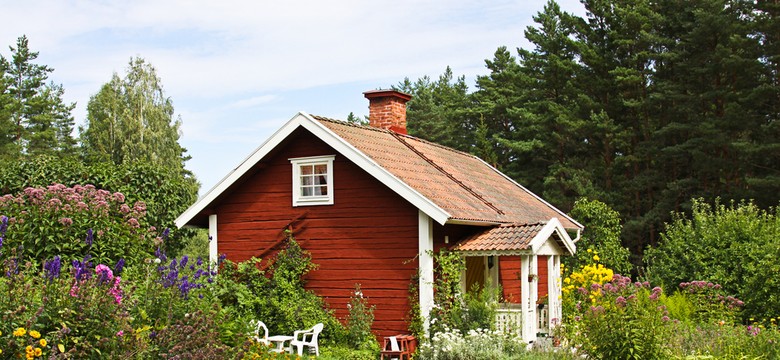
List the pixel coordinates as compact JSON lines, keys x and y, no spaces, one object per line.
{"x":461,"y":184}
{"x":505,"y":237}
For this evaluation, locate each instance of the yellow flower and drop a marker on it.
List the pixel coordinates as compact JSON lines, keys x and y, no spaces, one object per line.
{"x":590,"y":251}
{"x":28,"y":349}
{"x":35,"y":334}
{"x":20,"y":332}
{"x":595,"y":258}
{"x":38,"y":351}
{"x":43,"y":342}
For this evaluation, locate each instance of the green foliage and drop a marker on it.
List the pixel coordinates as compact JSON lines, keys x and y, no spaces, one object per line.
{"x":448,"y":306}
{"x":602,"y":234}
{"x":55,"y":221}
{"x":166,"y":192}
{"x":359,"y":321}
{"x":277,"y":295}
{"x":480,"y":305}
{"x":619,"y":320}
{"x":131,"y":119}
{"x":735,"y":246}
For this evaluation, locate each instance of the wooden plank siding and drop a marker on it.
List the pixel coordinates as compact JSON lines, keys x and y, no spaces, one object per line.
{"x":509,"y":275}
{"x":367,"y":237}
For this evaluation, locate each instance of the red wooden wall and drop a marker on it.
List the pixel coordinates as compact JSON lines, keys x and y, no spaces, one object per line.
{"x":509,"y":275}
{"x":369,"y":235}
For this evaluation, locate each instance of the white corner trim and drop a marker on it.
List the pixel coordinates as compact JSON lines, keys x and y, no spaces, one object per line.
{"x":213,"y":244}
{"x":344,"y":148}
{"x":425,"y":266}
{"x":553,"y":226}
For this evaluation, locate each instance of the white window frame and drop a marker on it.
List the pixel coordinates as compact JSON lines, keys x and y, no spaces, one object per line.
{"x":298,"y":199}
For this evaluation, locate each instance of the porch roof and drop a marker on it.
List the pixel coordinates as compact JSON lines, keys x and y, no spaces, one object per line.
{"x":511,"y":239}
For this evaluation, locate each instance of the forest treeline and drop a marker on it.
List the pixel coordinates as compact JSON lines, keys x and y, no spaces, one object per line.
{"x":642,"y":104}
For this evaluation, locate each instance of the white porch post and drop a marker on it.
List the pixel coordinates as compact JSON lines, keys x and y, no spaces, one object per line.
{"x":534,"y":284}
{"x":525,"y":297}
{"x":213,"y":250}
{"x":425,"y":248}
{"x":554,"y":290}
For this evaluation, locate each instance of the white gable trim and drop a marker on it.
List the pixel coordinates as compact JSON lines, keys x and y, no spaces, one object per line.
{"x":304,"y":120}
{"x":553,"y":226}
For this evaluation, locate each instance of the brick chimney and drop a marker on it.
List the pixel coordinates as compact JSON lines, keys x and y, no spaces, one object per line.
{"x":387,"y":109}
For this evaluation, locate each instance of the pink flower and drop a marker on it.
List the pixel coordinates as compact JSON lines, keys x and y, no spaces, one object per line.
{"x":120,"y":333}
{"x":66,"y":221}
{"x":134,"y":222}
{"x":119,"y":197}
{"x":104,"y":272}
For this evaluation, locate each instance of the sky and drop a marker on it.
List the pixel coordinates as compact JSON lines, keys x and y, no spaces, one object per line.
{"x":236,"y":71}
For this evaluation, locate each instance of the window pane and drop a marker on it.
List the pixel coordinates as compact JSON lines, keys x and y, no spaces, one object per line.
{"x":307,"y":180}
{"x":306,"y":169}
{"x":321,"y":169}
{"x":306,"y":191}
{"x":320,"y":180}
{"x":323,"y":190}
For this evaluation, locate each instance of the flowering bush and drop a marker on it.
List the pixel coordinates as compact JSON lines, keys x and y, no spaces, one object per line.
{"x":359,"y":321}
{"x":474,"y":344}
{"x":51,"y":221}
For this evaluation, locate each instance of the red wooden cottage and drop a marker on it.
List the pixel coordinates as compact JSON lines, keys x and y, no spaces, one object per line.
{"x":368,"y":202}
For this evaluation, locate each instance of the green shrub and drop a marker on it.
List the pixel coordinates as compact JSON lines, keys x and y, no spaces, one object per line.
{"x":166,"y":192}
{"x":736,"y":246}
{"x":620,"y":320}
{"x":602,"y":235}
{"x":358,"y":323}
{"x":72,"y":221}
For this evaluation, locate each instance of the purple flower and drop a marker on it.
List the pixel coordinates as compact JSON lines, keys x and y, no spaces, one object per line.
{"x":90,"y":238}
{"x":184,"y":260}
{"x":52,"y":268}
{"x":665,"y":318}
{"x":3,"y":225}
{"x":620,"y":301}
{"x":120,"y":265}
{"x":199,"y":261}
{"x":165,"y":233}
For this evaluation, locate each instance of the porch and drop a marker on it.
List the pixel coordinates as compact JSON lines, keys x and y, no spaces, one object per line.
{"x":526,"y":261}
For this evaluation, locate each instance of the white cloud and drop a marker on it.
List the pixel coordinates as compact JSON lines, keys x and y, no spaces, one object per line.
{"x":235,"y":69}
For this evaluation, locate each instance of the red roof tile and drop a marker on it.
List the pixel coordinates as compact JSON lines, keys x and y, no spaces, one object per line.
{"x":506,"y":237}
{"x":461,"y":184}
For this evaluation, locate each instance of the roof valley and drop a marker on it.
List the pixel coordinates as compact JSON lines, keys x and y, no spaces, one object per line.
{"x":403,"y":141}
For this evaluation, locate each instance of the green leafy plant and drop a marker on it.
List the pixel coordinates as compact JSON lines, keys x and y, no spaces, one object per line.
{"x":359,"y":321}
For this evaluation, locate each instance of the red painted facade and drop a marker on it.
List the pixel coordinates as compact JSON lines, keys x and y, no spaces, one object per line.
{"x":368,"y":236}
{"x":509,"y":276}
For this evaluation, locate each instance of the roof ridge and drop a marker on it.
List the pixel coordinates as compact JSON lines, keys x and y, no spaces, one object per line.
{"x":450,"y":176}
{"x":368,"y":127}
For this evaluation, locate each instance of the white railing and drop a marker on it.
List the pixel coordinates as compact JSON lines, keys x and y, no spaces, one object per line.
{"x":509,"y":318}
{"x":543,"y":320}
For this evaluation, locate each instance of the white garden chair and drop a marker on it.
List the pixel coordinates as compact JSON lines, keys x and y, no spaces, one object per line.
{"x":257,"y":325}
{"x":307,"y":338}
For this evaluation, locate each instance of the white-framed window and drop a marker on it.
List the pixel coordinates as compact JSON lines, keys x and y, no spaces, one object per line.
{"x":312,"y":179}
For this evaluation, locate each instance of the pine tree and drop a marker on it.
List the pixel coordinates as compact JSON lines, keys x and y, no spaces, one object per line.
{"x":40,"y":121}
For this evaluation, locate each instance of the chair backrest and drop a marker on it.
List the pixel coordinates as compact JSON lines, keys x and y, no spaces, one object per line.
{"x":316,"y":330}
{"x":394,"y":344}
{"x":260,"y":325}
